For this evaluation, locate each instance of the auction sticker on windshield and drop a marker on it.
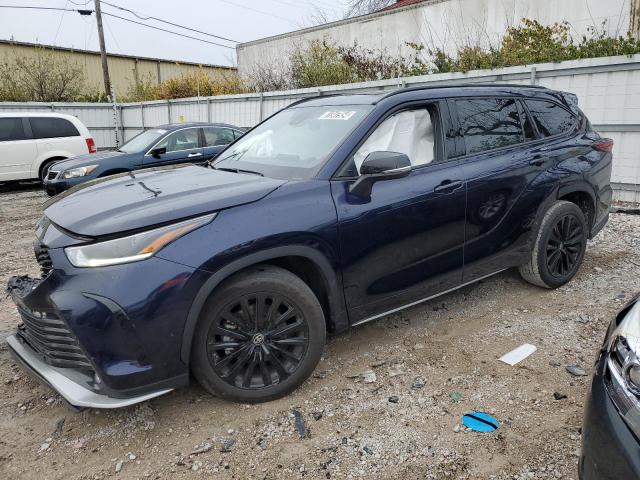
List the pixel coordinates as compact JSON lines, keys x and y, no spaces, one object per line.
{"x":340,"y":115}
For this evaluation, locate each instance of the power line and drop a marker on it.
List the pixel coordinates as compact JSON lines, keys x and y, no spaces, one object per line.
{"x":88,"y":12}
{"x":55,"y":39}
{"x":143,"y":17}
{"x":258,"y":11}
{"x":42,"y":8}
{"x":167,"y":31}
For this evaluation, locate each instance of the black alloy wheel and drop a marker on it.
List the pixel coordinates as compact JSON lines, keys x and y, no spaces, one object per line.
{"x":258,"y":340}
{"x":564,"y":246}
{"x":259,"y":336}
{"x":559,"y":246}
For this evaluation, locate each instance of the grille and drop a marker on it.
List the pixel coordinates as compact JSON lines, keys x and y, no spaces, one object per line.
{"x":51,"y":337}
{"x":51,"y":175}
{"x":43,"y":258}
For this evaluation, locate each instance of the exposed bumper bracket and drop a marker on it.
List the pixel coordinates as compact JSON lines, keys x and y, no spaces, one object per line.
{"x":76,"y":395}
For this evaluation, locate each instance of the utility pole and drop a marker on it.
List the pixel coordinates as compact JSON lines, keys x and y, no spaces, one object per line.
{"x":634,"y":20}
{"x":103,"y":51}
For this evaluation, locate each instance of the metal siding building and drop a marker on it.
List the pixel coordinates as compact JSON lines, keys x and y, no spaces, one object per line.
{"x":124,"y":70}
{"x":444,"y":24}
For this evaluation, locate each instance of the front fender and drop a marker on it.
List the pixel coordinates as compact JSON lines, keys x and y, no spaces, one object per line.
{"x":339,"y":319}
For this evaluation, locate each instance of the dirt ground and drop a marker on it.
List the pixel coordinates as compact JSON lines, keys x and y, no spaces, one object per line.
{"x":435,"y":362}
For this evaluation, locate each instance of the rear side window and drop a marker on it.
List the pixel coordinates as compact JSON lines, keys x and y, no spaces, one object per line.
{"x":215,"y":136}
{"x":44,"y":127}
{"x":551,"y":119}
{"x":489,"y":123}
{"x":11,"y":129}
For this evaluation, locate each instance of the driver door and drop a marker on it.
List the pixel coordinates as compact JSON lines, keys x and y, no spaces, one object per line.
{"x":183,"y":146}
{"x":404,"y":243}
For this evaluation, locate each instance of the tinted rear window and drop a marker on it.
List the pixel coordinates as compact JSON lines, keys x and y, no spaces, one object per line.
{"x":215,"y":136}
{"x":489,"y":123}
{"x":44,"y":127}
{"x":11,"y":129}
{"x":550,"y":118}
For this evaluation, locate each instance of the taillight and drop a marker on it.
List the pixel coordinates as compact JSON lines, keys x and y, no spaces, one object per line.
{"x":91,"y":145}
{"x":603,"y":145}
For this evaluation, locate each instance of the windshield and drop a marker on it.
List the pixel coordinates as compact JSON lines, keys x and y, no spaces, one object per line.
{"x":294,"y":143}
{"x":142,"y":141}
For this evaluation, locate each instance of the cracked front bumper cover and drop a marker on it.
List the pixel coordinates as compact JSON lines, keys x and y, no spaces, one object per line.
{"x":73,"y":392}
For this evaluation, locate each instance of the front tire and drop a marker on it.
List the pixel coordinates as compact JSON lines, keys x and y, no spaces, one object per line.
{"x":559,"y":247}
{"x":260,"y":336}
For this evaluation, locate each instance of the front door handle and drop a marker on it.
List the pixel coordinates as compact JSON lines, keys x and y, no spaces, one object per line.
{"x":448,"y":186}
{"x":191,"y":155}
{"x":538,"y":161}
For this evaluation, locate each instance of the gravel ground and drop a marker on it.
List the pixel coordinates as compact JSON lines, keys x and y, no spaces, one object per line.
{"x":385,"y":401}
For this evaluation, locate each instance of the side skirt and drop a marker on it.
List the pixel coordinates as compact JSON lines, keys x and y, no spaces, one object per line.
{"x":384,"y":314}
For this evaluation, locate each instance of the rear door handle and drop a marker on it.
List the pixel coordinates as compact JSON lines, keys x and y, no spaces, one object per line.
{"x":191,"y":155}
{"x":448,"y":186}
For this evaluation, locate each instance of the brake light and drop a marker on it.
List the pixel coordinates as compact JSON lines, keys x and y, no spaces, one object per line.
{"x":603,"y":145}
{"x":91,"y":145}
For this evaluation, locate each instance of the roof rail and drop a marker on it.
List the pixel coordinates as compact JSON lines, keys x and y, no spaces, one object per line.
{"x":459,"y":85}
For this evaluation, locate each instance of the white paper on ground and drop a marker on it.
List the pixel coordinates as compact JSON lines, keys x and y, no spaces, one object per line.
{"x":519,"y":354}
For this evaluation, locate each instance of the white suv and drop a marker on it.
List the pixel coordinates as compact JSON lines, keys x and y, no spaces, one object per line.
{"x":31,"y":142}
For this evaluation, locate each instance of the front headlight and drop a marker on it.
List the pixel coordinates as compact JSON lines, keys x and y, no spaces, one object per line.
{"x":623,"y":368}
{"x":79,"y":172}
{"x":132,"y":248}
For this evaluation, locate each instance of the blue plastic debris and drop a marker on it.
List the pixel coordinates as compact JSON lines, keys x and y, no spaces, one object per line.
{"x":480,"y":422}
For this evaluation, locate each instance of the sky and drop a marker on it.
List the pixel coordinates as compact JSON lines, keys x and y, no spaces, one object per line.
{"x":238,"y":20}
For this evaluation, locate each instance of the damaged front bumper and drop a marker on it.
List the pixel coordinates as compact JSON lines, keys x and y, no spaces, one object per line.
{"x":76,"y":391}
{"x":46,"y":345}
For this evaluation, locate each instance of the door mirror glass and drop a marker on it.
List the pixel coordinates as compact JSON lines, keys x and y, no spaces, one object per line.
{"x":379,"y":166}
{"x":156,"y":152}
{"x":384,"y":162}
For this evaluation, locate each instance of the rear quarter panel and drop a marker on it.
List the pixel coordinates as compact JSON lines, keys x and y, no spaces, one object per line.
{"x":66,"y":147}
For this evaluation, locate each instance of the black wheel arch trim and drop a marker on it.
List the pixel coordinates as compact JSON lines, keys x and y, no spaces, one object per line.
{"x":581,"y":187}
{"x":338,"y":320}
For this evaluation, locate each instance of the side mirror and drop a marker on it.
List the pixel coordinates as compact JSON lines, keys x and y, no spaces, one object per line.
{"x":156,"y":152}
{"x":379,"y":166}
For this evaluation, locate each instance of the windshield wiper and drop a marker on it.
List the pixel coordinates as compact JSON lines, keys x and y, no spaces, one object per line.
{"x":237,"y":170}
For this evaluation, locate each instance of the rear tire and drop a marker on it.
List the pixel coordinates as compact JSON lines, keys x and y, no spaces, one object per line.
{"x":260,"y":336}
{"x":559,"y":247}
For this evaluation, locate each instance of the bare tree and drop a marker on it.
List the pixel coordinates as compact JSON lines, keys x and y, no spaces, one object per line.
{"x":41,"y":77}
{"x":363,"y":7}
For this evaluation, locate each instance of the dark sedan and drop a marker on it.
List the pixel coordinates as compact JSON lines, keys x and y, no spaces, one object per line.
{"x":158,"y":146}
{"x":611,"y":433}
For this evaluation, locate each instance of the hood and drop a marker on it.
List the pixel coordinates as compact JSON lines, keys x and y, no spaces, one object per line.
{"x":143,"y":198}
{"x":84,"y":160}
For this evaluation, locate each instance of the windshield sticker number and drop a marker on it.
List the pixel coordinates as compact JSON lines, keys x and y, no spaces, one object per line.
{"x":342,"y":115}
{"x":161,"y":132}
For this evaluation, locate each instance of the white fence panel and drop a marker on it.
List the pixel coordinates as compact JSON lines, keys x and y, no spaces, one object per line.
{"x":608,"y":90}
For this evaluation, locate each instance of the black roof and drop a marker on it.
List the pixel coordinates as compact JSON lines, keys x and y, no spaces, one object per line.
{"x":436,"y":91}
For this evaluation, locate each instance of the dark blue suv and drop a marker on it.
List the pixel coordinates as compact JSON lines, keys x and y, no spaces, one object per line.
{"x":331,"y":213}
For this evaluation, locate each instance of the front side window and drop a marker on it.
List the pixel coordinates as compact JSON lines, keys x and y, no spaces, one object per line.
{"x":143,"y":141}
{"x":551,"y":119}
{"x":52,"y":127}
{"x":294,"y":143}
{"x":216,"y":137}
{"x":409,"y":132}
{"x":181,"y":140}
{"x":11,"y":129}
{"x":489,"y":123}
